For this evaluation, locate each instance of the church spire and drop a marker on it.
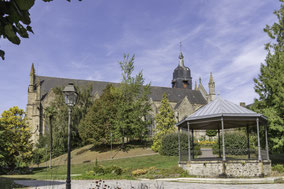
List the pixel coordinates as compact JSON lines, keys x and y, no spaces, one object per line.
{"x":32,"y":79}
{"x":211,"y":86}
{"x":211,"y":78}
{"x":32,"y":70}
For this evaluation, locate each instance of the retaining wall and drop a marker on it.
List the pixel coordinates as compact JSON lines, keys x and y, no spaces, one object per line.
{"x":229,"y":168}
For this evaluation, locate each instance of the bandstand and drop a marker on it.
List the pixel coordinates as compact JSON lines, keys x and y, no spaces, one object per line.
{"x":223,"y":115}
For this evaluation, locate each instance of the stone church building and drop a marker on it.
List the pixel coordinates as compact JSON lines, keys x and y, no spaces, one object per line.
{"x":182,"y":97}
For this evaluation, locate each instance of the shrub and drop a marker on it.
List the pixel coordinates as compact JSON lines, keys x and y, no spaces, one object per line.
{"x":211,"y":133}
{"x":169,"y":146}
{"x":235,"y":144}
{"x":113,"y":170}
{"x":100,"y":170}
{"x":139,"y":172}
{"x":278,"y":167}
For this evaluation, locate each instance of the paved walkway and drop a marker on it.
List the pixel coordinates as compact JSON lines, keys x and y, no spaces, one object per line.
{"x":206,"y":153}
{"x":134,"y":184}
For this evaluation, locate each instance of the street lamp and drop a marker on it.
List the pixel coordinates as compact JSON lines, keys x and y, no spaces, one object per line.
{"x":70,"y":100}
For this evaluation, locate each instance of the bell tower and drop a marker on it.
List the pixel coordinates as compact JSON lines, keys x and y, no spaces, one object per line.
{"x":182,"y":76}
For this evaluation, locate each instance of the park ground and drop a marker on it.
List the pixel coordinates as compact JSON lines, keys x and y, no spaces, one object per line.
{"x":139,"y":165}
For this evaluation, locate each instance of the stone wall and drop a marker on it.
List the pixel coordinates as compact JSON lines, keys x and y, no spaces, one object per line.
{"x":231,"y":168}
{"x":203,"y":168}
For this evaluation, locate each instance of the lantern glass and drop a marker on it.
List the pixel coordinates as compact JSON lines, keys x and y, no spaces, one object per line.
{"x":70,"y":95}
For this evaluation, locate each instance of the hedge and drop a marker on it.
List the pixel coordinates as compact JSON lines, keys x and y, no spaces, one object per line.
{"x":235,"y":144}
{"x":169,"y":146}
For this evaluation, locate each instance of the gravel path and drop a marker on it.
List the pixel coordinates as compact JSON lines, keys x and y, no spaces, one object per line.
{"x":133,"y":184}
{"x":207,"y":153}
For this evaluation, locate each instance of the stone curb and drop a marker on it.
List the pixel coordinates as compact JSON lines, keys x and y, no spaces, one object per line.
{"x":268,"y":180}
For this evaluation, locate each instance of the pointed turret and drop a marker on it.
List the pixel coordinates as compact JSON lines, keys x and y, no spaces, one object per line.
{"x":195,"y":87}
{"x":211,"y":86}
{"x":211,"y":78}
{"x":202,"y":89}
{"x":32,"y":70}
{"x":32,"y":79}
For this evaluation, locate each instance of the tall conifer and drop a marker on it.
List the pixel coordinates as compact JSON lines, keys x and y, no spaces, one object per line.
{"x":270,"y":83}
{"x":165,"y":122}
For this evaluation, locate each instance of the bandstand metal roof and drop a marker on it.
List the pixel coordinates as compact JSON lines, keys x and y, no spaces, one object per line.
{"x":209,"y":116}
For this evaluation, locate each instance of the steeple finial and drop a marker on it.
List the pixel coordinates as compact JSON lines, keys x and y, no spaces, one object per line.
{"x":181,"y":60}
{"x":32,"y":79}
{"x":32,"y":70}
{"x":199,"y":80}
{"x":180,"y":56}
{"x":211,"y":78}
{"x":211,"y":86}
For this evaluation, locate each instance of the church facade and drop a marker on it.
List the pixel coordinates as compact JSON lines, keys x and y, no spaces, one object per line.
{"x":182,"y":97}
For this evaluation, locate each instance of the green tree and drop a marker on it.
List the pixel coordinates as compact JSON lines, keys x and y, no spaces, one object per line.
{"x":15,"y":20}
{"x":97,"y":125}
{"x":211,"y":133}
{"x":132,"y":103}
{"x":165,"y":123}
{"x":15,"y":144}
{"x":59,"y":111}
{"x":270,"y":83}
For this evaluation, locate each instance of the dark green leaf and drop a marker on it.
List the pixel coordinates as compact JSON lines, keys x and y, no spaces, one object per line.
{"x":9,"y":31}
{"x":22,"y":31}
{"x":29,"y":28}
{"x":2,"y":54}
{"x":26,"y":18}
{"x":25,"y":4}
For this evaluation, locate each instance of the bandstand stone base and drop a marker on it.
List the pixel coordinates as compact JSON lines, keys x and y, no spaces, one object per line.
{"x":229,"y":168}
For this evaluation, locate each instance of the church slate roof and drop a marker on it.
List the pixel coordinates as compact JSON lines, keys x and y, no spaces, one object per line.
{"x":174,"y":94}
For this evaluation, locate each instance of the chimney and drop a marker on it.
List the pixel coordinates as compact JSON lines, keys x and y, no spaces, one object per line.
{"x":243,"y":104}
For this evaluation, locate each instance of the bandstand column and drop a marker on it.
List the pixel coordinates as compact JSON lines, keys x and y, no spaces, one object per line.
{"x":248,"y":142}
{"x":223,"y":139}
{"x":258,"y":139}
{"x":266,"y":143}
{"x":179,"y":155}
{"x":192,"y":139}
{"x":219,"y":143}
{"x":188,"y":138}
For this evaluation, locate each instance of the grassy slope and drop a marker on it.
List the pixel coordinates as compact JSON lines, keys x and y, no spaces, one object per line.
{"x":83,"y":160}
{"x":129,"y":164}
{"x":89,"y":154}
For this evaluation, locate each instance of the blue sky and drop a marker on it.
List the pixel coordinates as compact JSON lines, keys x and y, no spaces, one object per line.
{"x":86,"y":40}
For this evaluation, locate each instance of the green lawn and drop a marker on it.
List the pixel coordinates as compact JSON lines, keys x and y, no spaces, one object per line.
{"x":164,"y":165}
{"x":152,"y":166}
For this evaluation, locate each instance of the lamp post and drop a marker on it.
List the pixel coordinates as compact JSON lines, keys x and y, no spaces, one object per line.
{"x":70,"y":100}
